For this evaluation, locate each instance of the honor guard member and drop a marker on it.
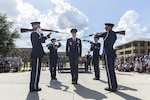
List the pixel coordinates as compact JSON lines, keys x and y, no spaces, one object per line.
{"x":95,"y":47}
{"x":36,"y":55}
{"x":53,"y":57}
{"x":88,"y":59}
{"x":73,"y":51}
{"x":109,"y":38}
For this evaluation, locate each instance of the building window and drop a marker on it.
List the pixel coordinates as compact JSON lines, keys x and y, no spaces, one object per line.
{"x":121,"y":53}
{"x":121,"y":47}
{"x":128,"y":46}
{"x":135,"y":44}
{"x":128,"y":52}
{"x":142,"y":51}
{"x":135,"y":51}
{"x":141,"y":43}
{"x":148,"y":43}
{"x":148,"y":50}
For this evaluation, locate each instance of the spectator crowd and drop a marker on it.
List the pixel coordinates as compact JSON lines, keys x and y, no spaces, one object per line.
{"x":137,"y":64}
{"x":10,"y":62}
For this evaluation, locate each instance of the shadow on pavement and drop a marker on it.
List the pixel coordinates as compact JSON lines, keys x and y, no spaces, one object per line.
{"x":84,"y":72}
{"x":103,"y":81}
{"x":88,"y":93}
{"x":32,"y":96}
{"x":55,"y":84}
{"x":125,"y":74}
{"x":126,"y":96}
{"x":123,"y":95}
{"x":121,"y":87}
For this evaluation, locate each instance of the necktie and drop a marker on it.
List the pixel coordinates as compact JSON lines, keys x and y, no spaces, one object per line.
{"x":74,"y":39}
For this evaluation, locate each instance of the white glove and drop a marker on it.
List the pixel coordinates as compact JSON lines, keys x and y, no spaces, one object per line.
{"x":39,"y":30}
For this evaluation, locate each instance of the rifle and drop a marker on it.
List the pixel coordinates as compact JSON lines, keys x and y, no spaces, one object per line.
{"x":117,"y":32}
{"x":22,"y":30}
{"x":88,"y":41}
{"x":57,"y":40}
{"x":60,"y":40}
{"x":120,"y":32}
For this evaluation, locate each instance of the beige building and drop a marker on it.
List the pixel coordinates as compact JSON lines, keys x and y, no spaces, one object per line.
{"x":24,"y":52}
{"x":138,"y":47}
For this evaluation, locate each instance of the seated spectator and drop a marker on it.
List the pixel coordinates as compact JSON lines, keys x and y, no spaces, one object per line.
{"x":131,"y":66}
{"x":147,"y":64}
{"x":122,"y":60}
{"x":138,"y":66}
{"x":120,"y":67}
{"x":117,"y":62}
{"x":127,"y":67}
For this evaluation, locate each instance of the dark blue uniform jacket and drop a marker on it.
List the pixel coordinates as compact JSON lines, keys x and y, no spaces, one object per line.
{"x":37,"y":49}
{"x":73,"y":48}
{"x":109,"y":40}
{"x":53,"y":51}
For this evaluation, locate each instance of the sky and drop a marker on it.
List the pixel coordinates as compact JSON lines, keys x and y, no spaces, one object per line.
{"x":88,"y":16}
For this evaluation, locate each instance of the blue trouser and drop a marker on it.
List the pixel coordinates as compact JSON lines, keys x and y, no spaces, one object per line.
{"x":86,"y":65}
{"x":53,"y":64}
{"x":74,"y":67}
{"x":96,"y":67}
{"x":35,"y":73}
{"x":109,"y":62}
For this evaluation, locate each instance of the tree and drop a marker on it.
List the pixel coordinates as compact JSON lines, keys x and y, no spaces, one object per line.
{"x":7,"y":35}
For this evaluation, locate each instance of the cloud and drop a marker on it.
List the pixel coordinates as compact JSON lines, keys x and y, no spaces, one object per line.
{"x":62,"y":16}
{"x":129,"y":23}
{"x":9,"y":7}
{"x":69,"y":17}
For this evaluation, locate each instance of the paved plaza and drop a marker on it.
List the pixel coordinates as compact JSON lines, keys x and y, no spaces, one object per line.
{"x":131,"y":86}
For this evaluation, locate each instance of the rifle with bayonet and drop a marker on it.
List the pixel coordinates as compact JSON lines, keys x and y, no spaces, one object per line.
{"x":23,"y":30}
{"x":88,"y":41}
{"x":117,"y":32}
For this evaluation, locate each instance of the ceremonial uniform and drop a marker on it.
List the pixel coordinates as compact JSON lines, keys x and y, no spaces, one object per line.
{"x":36,"y":55}
{"x":73,"y":51}
{"x":53,"y":56}
{"x":95,"y":47}
{"x":88,"y":61}
{"x":109,"y":38}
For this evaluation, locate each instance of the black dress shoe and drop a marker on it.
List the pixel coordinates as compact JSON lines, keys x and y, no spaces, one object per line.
{"x":111,"y":90}
{"x":55,"y":78}
{"x":35,"y":90}
{"x":74,"y":82}
{"x":38,"y":89}
{"x":32,"y":90}
{"x":95,"y":78}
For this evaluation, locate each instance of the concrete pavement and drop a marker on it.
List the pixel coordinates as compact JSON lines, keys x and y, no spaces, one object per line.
{"x":132,"y":86}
